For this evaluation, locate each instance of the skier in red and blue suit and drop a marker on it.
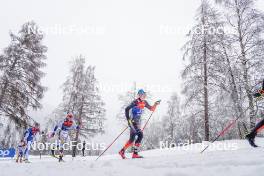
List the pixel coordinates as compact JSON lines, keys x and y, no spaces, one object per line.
{"x":63,"y":129}
{"x":134,"y":122}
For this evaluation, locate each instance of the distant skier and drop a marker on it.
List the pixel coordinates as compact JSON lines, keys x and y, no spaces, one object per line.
{"x":260,"y":125}
{"x":134,"y":122}
{"x":20,"y":151}
{"x":29,"y":137}
{"x":83,"y":148}
{"x":63,"y":129}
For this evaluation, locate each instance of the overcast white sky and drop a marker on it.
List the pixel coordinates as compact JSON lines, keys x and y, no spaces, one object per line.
{"x":127,"y":41}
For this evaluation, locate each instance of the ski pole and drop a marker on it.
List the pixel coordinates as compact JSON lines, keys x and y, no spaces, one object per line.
{"x":221,"y":133}
{"x":147,"y":121}
{"x":224,"y":131}
{"x":111,"y":143}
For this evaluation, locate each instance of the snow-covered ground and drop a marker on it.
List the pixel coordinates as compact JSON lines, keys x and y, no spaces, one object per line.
{"x":238,"y":160}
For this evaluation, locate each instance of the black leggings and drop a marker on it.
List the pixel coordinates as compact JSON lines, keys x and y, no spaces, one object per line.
{"x":133,"y":135}
{"x":257,"y":127}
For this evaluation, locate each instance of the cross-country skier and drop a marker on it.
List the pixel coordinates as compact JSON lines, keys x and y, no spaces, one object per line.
{"x":29,"y":137}
{"x":20,"y":151}
{"x":83,"y":148}
{"x":134,"y":122}
{"x":251,"y":136}
{"x":63,"y":129}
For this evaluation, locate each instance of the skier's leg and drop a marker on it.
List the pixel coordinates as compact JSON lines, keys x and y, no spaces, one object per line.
{"x":20,"y":156}
{"x":139,"y":137}
{"x":64,"y":137}
{"x":26,"y":154}
{"x":128,"y":144}
{"x":83,"y":152}
{"x":255,"y":130}
{"x":17,"y":156}
{"x":251,"y":136}
{"x":61,"y":150}
{"x":131,"y":140}
{"x":137,"y":144}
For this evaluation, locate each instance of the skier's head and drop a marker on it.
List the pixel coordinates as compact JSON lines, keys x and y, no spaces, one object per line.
{"x":69,"y":116}
{"x":142,"y":94}
{"x":22,"y":142}
{"x":35,"y":128}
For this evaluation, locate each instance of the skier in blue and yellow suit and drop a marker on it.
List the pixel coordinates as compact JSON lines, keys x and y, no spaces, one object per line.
{"x":134,"y":122}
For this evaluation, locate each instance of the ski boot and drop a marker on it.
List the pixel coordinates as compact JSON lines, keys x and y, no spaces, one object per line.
{"x":251,"y":139}
{"x":61,"y":155}
{"x":136,"y":155}
{"x":135,"y":151}
{"x":122,"y":153}
{"x":60,"y":158}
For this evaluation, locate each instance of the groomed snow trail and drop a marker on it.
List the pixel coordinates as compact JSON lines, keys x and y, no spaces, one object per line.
{"x":241,"y":161}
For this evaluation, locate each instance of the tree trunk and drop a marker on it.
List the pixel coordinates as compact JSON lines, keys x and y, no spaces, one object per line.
{"x":234,"y":95}
{"x":205,"y":87}
{"x":245,"y":71}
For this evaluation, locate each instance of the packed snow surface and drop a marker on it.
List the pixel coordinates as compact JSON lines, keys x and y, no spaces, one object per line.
{"x":233,"y":157}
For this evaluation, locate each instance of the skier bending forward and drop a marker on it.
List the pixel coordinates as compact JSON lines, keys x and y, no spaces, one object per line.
{"x":29,"y":137}
{"x":134,"y":123}
{"x":63,"y":129}
{"x":251,"y":136}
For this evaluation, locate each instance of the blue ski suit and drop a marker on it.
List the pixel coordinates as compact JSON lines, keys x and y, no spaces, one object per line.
{"x":136,"y":108}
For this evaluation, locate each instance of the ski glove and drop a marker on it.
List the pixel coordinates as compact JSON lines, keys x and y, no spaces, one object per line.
{"x":157,"y":102}
{"x":52,"y":134}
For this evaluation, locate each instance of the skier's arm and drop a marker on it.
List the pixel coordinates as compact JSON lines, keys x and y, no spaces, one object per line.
{"x":152,"y":108}
{"x":35,"y":138}
{"x":59,"y":125}
{"x":128,"y":109}
{"x":130,"y":124}
{"x":55,"y":128}
{"x":74,"y":126}
{"x":26,"y":134}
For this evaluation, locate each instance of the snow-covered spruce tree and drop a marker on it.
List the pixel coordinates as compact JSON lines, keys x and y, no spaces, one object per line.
{"x":247,"y":24}
{"x":125,"y":100}
{"x":172,"y":122}
{"x":199,"y":74}
{"x":93,"y":109}
{"x":20,"y":77}
{"x":81,"y":97}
